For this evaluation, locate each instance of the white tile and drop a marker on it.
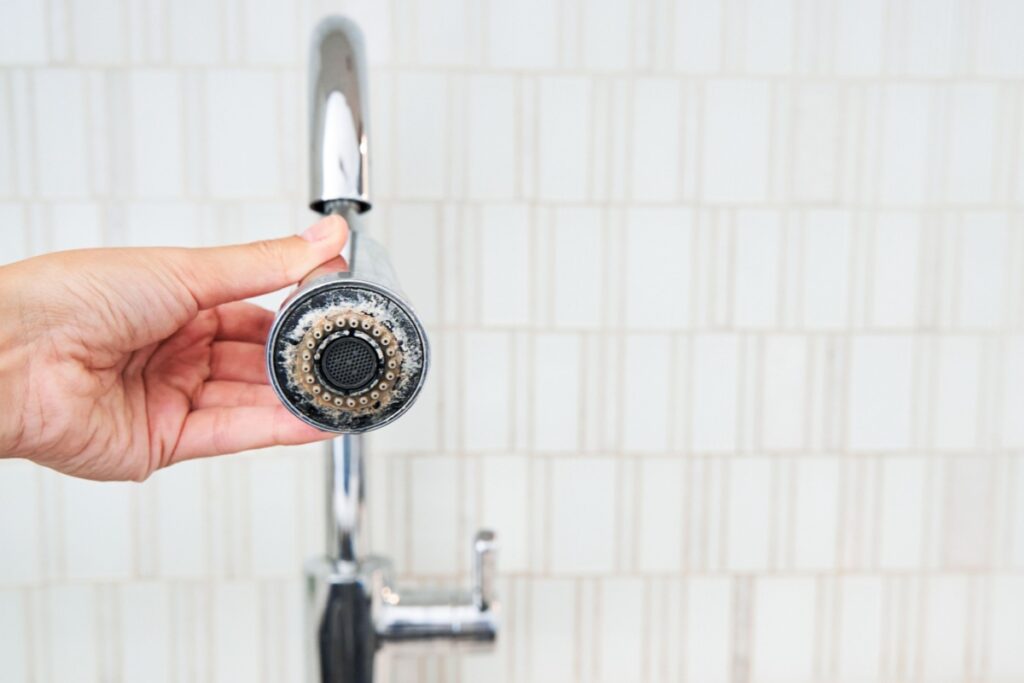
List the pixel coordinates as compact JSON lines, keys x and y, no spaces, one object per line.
{"x":709,"y":628}
{"x":783,"y":402}
{"x":969,"y":524}
{"x":505,"y":265}
{"x":76,"y":225}
{"x":860,"y":37}
{"x":714,"y":393}
{"x":880,"y":392}
{"x":929,"y":40}
{"x":606,"y":34}
{"x":999,"y":49}
{"x":22,"y":32}
{"x":826,"y":269}
{"x":1016,"y":517}
{"x":902,"y":513}
{"x":14,"y":637}
{"x":895,"y":275}
{"x":272,"y":495}
{"x":972,"y":138}
{"x":656,"y":145}
{"x":522,"y":34}
{"x":492,"y":143}
{"x":99,"y":29}
{"x":956,"y":392}
{"x":435,"y":512}
{"x":757,"y":248}
{"x":769,"y":37}
{"x":1006,"y":624}
{"x":62,"y":145}
{"x":165,"y":224}
{"x":421,"y":135}
{"x":578,"y":279}
{"x":97,"y":529}
{"x":156,"y":134}
{"x":817,"y":113}
{"x":13,"y":239}
{"x":145,"y":632}
{"x":442,"y":32}
{"x":72,"y":640}
{"x":749,"y":514}
{"x":622,"y":629}
{"x":556,"y":392}
{"x":551,"y":653}
{"x":269,"y":29}
{"x":195,"y":31}
{"x":1013,"y":392}
{"x":648,"y":383}
{"x":698,"y":36}
{"x":658,"y":278}
{"x":506,"y":498}
{"x":20,"y":524}
{"x":735,"y":152}
{"x":816,"y":513}
{"x":413,"y":239}
{"x":563,"y":138}
{"x":783,"y":630}
{"x":905,"y":148}
{"x":945,"y":628}
{"x":660,"y":538}
{"x":583,"y":515}
{"x":181,"y":522}
{"x":235,"y":614}
{"x":859,"y":628}
{"x":242,"y":134}
{"x":486,"y":391}
{"x":983,"y":271}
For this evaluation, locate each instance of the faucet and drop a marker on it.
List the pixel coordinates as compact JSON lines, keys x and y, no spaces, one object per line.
{"x":348,"y":354}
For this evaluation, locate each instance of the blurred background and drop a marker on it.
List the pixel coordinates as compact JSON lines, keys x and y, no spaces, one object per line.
{"x":750,"y":274}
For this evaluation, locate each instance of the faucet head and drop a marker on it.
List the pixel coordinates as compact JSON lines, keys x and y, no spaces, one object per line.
{"x":347,"y":356}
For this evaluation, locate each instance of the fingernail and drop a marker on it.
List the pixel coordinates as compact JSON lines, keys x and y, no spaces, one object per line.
{"x":319,"y":231}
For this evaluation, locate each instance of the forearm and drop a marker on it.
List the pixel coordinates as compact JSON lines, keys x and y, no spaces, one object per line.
{"x":14,"y":358}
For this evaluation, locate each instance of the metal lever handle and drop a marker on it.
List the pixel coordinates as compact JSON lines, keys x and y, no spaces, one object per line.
{"x":484,"y":569}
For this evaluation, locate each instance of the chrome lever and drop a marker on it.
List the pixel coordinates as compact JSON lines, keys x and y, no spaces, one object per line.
{"x":484,"y":569}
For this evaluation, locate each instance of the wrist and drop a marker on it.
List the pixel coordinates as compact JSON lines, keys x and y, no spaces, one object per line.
{"x":14,"y":368}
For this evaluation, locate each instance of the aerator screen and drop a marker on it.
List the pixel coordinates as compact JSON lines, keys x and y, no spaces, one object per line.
{"x":348,"y":364}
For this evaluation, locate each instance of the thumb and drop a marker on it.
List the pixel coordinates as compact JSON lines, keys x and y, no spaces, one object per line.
{"x":218,"y":275}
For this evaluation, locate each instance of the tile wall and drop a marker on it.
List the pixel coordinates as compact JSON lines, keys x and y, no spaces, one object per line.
{"x":727,"y":299}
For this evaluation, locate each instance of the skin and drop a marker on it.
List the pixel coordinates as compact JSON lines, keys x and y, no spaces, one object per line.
{"x":115,"y":363}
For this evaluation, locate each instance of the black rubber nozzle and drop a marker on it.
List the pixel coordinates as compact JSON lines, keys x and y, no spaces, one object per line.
{"x":349,"y":364}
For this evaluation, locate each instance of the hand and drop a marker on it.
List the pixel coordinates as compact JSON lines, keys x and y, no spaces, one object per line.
{"x":117,"y":362}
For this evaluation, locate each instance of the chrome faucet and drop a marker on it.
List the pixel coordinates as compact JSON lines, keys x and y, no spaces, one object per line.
{"x":348,"y":354}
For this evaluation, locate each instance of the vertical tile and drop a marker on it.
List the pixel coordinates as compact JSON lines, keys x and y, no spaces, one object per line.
{"x":894,"y":280}
{"x":656,"y":144}
{"x":708,"y":630}
{"x":236,"y":631}
{"x":749,"y":514}
{"x":945,"y":627}
{"x":413,"y":244}
{"x":181,"y":521}
{"x":434,"y":515}
{"x":784,"y":630}
{"x":156,"y":134}
{"x":648,"y":383}
{"x":902,"y":513}
{"x":816,"y":513}
{"x":195,"y":32}
{"x":658,"y":255}
{"x":784,"y":392}
{"x":486,"y":379}
{"x":905,"y":146}
{"x":1012,"y":362}
{"x":145,"y":632}
{"x":606,"y":29}
{"x":14,"y":639}
{"x":421,"y":135}
{"x":506,"y":502}
{"x":272,"y":500}
{"x":60,"y":133}
{"x":72,"y":639}
{"x":164,"y":224}
{"x":929,"y":38}
{"x":270,"y":34}
{"x":1006,"y":625}
{"x":20,"y":526}
{"x":551,"y":653}
{"x":999,"y":53}
{"x":492,"y":144}
{"x":241,"y":109}
{"x":505,"y":265}
{"x":969,"y":518}
{"x":972,"y":140}
{"x":583,"y":515}
{"x":99,"y":31}
{"x":622,"y":629}
{"x":442,"y":33}
{"x":757,"y":248}
{"x":826,"y":247}
{"x":983,"y":269}
{"x":522,"y":35}
{"x":563,"y":138}
{"x":817,"y":115}
{"x":955,"y":395}
{"x":556,"y":392}
{"x":698,"y":36}
{"x":661,"y":515}
{"x":22,"y":32}
{"x":716,"y":376}
{"x":769,"y":37}
{"x":879,"y":396}
{"x":97,"y":529}
{"x":860,"y":37}
{"x":579,"y":271}
{"x":735,"y":153}
{"x":859,"y":627}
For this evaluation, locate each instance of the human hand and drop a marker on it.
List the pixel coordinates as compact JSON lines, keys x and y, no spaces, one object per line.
{"x":117,"y":362}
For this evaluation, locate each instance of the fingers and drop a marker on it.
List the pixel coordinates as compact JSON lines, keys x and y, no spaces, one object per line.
{"x":238,"y":362}
{"x":243,"y":322}
{"x":220,"y":393}
{"x":218,"y":431}
{"x":218,"y":275}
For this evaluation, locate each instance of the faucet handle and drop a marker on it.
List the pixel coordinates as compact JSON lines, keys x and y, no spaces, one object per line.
{"x":485,"y":549}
